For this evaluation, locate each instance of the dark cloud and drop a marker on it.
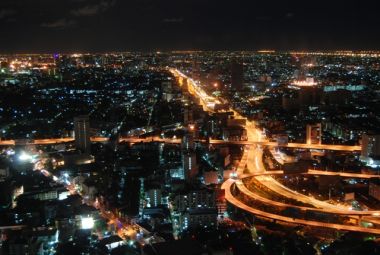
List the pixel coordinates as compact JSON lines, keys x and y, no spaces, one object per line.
{"x":289,"y":15}
{"x":6,"y":13}
{"x":102,"y":25}
{"x":60,"y":23}
{"x":93,"y":9}
{"x":173,"y":20}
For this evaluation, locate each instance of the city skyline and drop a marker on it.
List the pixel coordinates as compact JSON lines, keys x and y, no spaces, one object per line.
{"x":143,"y":152}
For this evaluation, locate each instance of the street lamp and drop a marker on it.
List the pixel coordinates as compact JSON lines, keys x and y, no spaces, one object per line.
{"x":87,"y":223}
{"x":25,"y":157}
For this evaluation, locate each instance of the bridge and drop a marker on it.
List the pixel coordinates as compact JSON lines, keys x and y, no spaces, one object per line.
{"x":314,"y":172}
{"x":177,"y":141}
{"x":252,"y":162}
{"x":251,"y":166}
{"x":227,"y":186}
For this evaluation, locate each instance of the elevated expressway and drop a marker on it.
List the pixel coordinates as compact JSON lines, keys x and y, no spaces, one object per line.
{"x":251,"y":166}
{"x":316,"y":172}
{"x":236,"y":202}
{"x":169,"y":140}
{"x":264,"y":177}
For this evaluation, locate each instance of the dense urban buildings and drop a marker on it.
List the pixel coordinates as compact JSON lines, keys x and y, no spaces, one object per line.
{"x":166,"y":127}
{"x":220,"y":152}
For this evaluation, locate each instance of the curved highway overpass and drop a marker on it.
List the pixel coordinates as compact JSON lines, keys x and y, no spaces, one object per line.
{"x":231,"y":199}
{"x":252,"y":162}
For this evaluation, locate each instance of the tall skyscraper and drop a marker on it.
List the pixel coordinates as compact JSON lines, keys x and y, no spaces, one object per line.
{"x":314,"y":134}
{"x":237,"y":75}
{"x":187,"y":143}
{"x":370,"y":145}
{"x":196,"y":70}
{"x":188,"y":115}
{"x":189,"y":165}
{"x":82,"y":133}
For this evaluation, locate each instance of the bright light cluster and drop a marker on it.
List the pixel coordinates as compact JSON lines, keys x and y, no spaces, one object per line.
{"x":305,"y":83}
{"x":87,"y":223}
{"x":25,"y":157}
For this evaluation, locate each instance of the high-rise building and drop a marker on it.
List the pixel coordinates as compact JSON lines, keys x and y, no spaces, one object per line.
{"x":237,"y":75}
{"x":196,"y":70}
{"x":187,"y":143}
{"x":374,"y":189}
{"x":189,"y":165}
{"x":183,"y":83}
{"x":154,"y":197}
{"x":82,"y":133}
{"x":188,"y":115}
{"x":314,"y":134}
{"x":193,"y":199}
{"x":197,"y":208}
{"x":199,"y":218}
{"x":167,"y":90}
{"x":371,"y":149}
{"x":4,"y":170}
{"x":305,"y":91}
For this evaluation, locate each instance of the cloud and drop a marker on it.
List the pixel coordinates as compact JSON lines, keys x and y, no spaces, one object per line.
{"x":86,"y":10}
{"x":94,"y":9}
{"x":5,"y":13}
{"x":61,"y":23}
{"x":173,"y":20}
{"x":289,"y":15}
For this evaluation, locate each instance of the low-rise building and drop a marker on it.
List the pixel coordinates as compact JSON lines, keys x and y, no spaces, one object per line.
{"x":199,"y":218}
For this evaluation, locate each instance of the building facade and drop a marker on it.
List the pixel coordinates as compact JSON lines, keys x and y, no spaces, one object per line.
{"x":82,"y":133}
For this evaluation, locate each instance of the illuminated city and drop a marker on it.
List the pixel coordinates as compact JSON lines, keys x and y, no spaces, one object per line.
{"x":152,"y":129}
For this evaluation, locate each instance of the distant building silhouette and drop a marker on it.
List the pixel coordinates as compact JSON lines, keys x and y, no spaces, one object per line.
{"x":188,"y":115}
{"x":82,"y":133}
{"x":371,"y":145}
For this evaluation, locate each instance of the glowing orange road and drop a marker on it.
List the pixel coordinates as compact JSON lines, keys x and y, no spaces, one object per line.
{"x":251,"y":161}
{"x":169,"y":140}
{"x":50,"y":141}
{"x":293,"y":145}
{"x":231,"y":199}
{"x":246,"y":191}
{"x":343,"y":174}
{"x":316,"y":172}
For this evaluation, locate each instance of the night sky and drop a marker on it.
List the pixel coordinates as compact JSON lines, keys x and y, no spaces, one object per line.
{"x":113,"y":25}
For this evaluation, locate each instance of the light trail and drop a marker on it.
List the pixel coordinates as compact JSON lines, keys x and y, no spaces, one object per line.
{"x":231,"y":199}
{"x":252,"y":161}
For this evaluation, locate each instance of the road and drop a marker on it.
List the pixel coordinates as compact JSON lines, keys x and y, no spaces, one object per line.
{"x":315,"y":172}
{"x":242,"y":188}
{"x":227,"y":186}
{"x":123,"y":228}
{"x":250,"y":133}
{"x":251,"y":164}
